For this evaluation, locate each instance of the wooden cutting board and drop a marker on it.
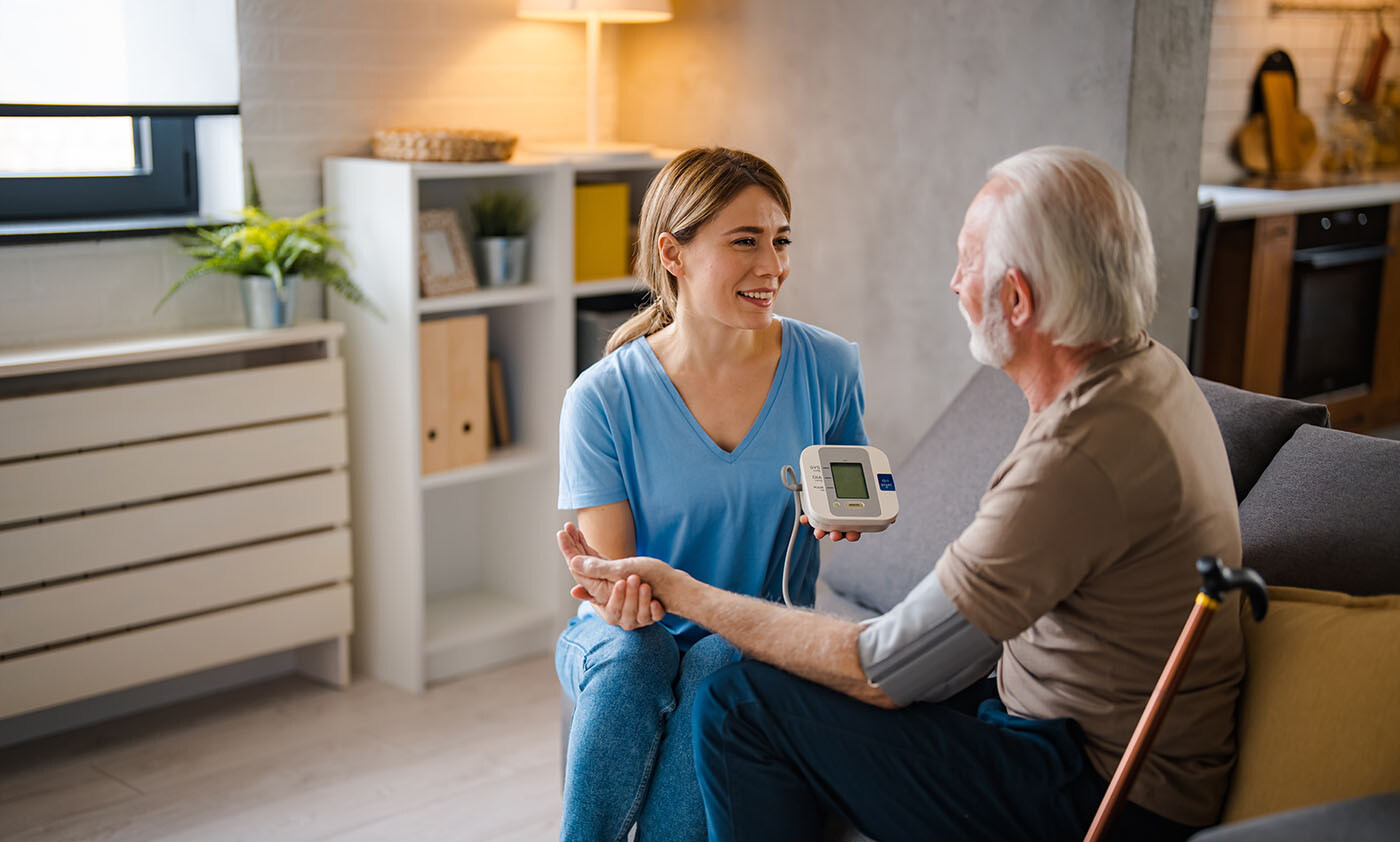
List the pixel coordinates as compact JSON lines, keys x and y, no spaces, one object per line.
{"x":1281,"y":139}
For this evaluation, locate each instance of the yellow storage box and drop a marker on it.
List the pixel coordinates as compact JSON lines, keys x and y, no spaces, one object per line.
{"x":601,"y":249}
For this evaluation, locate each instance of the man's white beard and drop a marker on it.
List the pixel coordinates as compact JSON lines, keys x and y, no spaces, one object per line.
{"x":991,"y":340}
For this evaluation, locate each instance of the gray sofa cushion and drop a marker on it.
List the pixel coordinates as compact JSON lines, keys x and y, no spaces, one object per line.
{"x":1374,"y":818}
{"x":939,"y":486}
{"x":1324,"y":514}
{"x":1254,"y":427}
{"x":833,"y":604}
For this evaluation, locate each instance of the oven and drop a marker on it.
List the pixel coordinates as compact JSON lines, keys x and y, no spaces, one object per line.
{"x":1338,"y":266}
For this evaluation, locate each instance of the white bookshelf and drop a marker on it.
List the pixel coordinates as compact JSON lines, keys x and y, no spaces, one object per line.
{"x":458,"y":570}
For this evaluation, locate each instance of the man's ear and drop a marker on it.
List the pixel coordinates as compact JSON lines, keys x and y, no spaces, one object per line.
{"x":1017,"y":300}
{"x":670,"y":250}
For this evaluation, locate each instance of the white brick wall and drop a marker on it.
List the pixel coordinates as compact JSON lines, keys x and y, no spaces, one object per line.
{"x":318,"y":77}
{"x":1243,"y":32}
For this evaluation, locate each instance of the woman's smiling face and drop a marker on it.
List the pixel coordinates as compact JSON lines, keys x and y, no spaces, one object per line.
{"x":731,"y":271}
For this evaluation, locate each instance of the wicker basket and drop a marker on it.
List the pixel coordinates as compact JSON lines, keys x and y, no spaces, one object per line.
{"x":442,"y":145}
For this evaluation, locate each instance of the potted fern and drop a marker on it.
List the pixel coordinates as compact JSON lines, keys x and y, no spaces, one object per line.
{"x":502,"y":220}
{"x":270,"y":256}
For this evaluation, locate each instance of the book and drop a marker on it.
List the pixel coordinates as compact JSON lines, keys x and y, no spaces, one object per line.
{"x":500,"y":409}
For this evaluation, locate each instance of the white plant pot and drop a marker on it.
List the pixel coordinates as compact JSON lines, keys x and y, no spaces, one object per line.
{"x":263,"y":307}
{"x":501,"y":260}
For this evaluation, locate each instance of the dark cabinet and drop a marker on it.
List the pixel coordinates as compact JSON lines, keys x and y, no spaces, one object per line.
{"x":1308,"y":306}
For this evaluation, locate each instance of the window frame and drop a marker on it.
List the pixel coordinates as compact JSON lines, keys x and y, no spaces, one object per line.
{"x":170,"y":188}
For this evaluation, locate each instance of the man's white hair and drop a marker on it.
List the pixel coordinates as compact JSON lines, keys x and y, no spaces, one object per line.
{"x":1077,"y":229}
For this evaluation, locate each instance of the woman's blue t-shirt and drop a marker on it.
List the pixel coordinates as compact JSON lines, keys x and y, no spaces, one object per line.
{"x":724,"y":518}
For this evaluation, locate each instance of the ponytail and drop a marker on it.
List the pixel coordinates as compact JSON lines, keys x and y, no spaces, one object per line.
{"x":645,"y":322}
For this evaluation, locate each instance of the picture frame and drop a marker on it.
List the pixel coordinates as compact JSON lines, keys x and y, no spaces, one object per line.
{"x":444,"y":266}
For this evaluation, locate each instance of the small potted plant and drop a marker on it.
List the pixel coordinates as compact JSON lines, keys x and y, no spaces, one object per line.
{"x":502,"y":221}
{"x":270,"y":255}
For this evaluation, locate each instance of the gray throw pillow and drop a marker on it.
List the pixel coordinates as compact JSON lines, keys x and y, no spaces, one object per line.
{"x":1326,"y":514}
{"x":1254,"y":427}
{"x":939,"y":486}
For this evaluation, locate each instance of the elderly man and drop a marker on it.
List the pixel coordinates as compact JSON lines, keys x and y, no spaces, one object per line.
{"x":1077,"y":573}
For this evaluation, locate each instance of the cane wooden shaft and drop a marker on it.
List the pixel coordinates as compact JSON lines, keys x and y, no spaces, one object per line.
{"x":1152,"y":716}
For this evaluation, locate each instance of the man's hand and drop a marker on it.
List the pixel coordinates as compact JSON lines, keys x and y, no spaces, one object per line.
{"x":657,"y":576}
{"x":625,"y":601}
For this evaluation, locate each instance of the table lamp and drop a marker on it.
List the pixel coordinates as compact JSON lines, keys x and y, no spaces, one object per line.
{"x":595,"y":13}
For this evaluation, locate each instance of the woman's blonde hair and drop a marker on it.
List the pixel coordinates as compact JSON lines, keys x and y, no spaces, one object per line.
{"x":688,"y":192}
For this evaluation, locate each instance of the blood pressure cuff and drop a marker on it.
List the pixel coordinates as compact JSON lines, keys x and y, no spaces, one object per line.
{"x":924,"y":649}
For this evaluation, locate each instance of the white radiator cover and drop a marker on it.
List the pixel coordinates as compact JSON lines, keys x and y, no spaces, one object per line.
{"x":162,"y":514}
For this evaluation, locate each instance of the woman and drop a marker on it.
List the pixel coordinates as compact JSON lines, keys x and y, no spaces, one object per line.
{"x":671,"y":446}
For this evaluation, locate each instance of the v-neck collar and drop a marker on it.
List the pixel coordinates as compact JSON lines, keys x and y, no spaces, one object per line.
{"x":728,"y":456}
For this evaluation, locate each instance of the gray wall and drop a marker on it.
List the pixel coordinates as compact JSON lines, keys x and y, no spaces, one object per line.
{"x":1166,"y":106}
{"x":883,"y":117}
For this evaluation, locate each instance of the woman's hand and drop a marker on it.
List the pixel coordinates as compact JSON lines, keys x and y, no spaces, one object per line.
{"x":626,"y":603}
{"x":835,"y":536}
{"x":572,"y":543}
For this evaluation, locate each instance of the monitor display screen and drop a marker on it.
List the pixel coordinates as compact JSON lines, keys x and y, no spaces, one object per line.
{"x":849,"y":480}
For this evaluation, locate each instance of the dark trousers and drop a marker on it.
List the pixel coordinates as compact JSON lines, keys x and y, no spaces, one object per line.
{"x":774,"y":753}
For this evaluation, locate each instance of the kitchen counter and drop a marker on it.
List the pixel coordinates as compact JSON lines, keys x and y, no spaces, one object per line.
{"x":1241,"y":202}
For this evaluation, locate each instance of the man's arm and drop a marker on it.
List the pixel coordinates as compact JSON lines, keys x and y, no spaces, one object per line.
{"x":821,"y":649}
{"x":923,"y":649}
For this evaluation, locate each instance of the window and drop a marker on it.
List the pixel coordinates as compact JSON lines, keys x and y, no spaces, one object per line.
{"x":72,"y":162}
{"x":107,"y":108}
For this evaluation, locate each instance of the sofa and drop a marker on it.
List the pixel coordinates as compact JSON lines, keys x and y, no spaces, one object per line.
{"x":1319,"y":517}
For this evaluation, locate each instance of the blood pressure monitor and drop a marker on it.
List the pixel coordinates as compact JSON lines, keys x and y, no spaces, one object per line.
{"x":847,"y":488}
{"x":841,"y":488}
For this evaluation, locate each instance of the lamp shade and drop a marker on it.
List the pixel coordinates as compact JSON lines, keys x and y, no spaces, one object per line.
{"x":606,"y":11}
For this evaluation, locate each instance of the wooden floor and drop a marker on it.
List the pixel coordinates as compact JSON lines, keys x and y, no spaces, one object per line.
{"x":473,"y":759}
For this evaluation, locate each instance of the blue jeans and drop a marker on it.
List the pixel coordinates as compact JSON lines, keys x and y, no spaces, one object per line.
{"x":774,"y":753}
{"x":629,"y":758}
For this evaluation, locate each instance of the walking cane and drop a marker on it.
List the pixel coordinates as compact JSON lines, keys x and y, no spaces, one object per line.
{"x":1216,"y":580}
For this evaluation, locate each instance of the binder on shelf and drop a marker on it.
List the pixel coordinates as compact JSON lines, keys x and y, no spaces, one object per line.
{"x":470,"y":433}
{"x":432,"y":396}
{"x":601,"y":230}
{"x":453,"y":392}
{"x":500,"y":409}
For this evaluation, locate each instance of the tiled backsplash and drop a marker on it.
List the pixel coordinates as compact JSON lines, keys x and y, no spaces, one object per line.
{"x":318,"y":77}
{"x":1243,"y":32}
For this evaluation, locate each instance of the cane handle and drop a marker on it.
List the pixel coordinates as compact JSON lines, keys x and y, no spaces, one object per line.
{"x":1217,"y":579}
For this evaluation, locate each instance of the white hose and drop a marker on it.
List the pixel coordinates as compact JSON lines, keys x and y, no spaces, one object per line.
{"x":796,"y":488}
